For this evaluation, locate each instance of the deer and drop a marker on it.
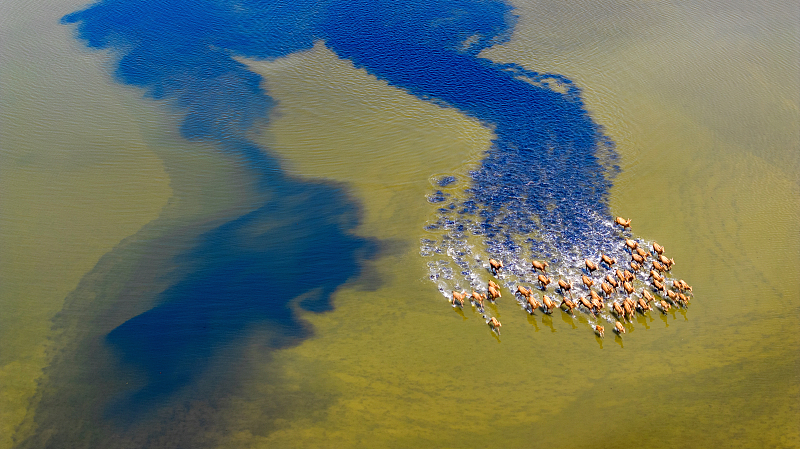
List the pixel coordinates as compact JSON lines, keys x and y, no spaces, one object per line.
{"x":619,"y":328}
{"x":458,"y":298}
{"x":494,"y":284}
{"x":611,"y":281}
{"x":664,"y":306}
{"x":667,"y":262}
{"x":658,"y":248}
{"x":570,"y":305}
{"x":495,"y":265}
{"x":596,"y":298}
{"x":540,"y":265}
{"x":494,"y":324}
{"x":601,"y":331}
{"x":654,"y":274}
{"x":591,"y":266}
{"x":493,"y":294}
{"x":543,"y":281}
{"x":586,"y":303}
{"x":565,"y":287}
{"x":686,"y":287}
{"x":526,"y":292}
{"x":635,"y":266}
{"x":587,"y":281}
{"x":607,"y":260}
{"x":607,"y":289}
{"x":478,"y":298}
{"x":632,"y":244}
{"x":533,"y":303}
{"x":628,"y":287}
{"x":622,"y":222}
{"x":641,"y":252}
{"x":548,"y":303}
{"x":618,"y":310}
{"x":629,"y":276}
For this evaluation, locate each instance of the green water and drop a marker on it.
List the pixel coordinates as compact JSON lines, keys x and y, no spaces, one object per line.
{"x":702,"y":103}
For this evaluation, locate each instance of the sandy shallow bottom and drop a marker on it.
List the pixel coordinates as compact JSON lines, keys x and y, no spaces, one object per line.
{"x":709,"y":170}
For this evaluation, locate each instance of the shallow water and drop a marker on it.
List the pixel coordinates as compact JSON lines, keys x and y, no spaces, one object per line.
{"x":112,"y":221}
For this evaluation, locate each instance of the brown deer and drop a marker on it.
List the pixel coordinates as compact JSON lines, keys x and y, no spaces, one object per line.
{"x":495,"y":265}
{"x":543,"y":281}
{"x":565,"y":286}
{"x":618,"y":273}
{"x":587,"y":281}
{"x":619,"y":328}
{"x":654,"y":274}
{"x":586,"y":303}
{"x":533,"y":303}
{"x":672,"y":296}
{"x":598,"y":305}
{"x":494,"y":284}
{"x":667,"y":262}
{"x":635,"y":266}
{"x":591,"y":266}
{"x":665,"y":306}
{"x":659,"y":286}
{"x":646,"y":295}
{"x":618,"y":310}
{"x":607,"y":289}
{"x":643,"y":305}
{"x":540,"y":265}
{"x":641,"y":252}
{"x":637,"y":258}
{"x":628,"y":287}
{"x":611,"y":281}
{"x":658,"y":248}
{"x":595,"y":297}
{"x":685,"y":286}
{"x":526,"y":292}
{"x":629,"y":276}
{"x":478,"y":298}
{"x":629,"y":307}
{"x":570,"y":305}
{"x":549,"y":303}
{"x":622,"y":222}
{"x":607,"y":260}
{"x":458,"y":298}
{"x":493,"y":294}
{"x":601,"y":331}
{"x":632,"y":244}
{"x":494,"y":324}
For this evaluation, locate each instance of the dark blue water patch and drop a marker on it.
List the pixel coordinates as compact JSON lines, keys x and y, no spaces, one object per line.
{"x":250,"y":270}
{"x":550,"y":166}
{"x":242,"y":273}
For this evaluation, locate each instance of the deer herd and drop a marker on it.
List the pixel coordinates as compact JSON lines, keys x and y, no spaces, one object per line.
{"x":616,"y":287}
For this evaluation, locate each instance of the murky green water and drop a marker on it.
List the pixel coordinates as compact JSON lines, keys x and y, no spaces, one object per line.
{"x":98,"y":191}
